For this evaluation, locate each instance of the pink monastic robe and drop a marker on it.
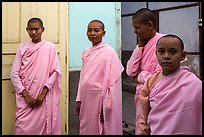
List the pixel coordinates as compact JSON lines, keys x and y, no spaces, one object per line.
{"x":99,"y":89}
{"x":143,"y":63}
{"x":174,"y":102}
{"x":36,"y":65}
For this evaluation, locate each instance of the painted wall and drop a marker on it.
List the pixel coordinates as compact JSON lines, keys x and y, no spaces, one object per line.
{"x":80,"y":14}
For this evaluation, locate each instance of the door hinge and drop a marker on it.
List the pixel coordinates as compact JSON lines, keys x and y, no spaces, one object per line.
{"x":66,"y":59}
{"x":65,"y":127}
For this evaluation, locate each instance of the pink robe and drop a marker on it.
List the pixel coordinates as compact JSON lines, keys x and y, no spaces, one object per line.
{"x":99,"y":88}
{"x":36,"y":66}
{"x":174,"y":102}
{"x":143,"y":63}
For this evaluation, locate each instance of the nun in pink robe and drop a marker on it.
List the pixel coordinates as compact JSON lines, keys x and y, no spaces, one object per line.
{"x":172,"y":104}
{"x":142,"y":64}
{"x":99,"y":91}
{"x":36,"y":65}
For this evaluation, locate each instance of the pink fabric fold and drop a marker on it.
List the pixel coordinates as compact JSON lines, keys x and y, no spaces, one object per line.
{"x":99,"y":88}
{"x":176,"y":105}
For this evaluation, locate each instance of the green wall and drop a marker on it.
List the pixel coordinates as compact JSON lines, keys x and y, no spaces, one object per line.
{"x":80,"y":14}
